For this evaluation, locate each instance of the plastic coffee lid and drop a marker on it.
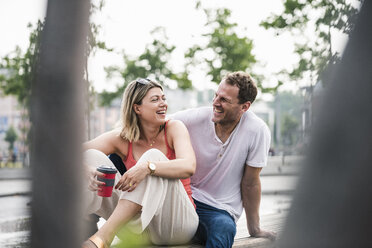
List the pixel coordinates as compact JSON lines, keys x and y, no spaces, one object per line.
{"x":106,"y":170}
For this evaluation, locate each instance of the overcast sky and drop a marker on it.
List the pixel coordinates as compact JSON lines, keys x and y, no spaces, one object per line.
{"x":126,"y":24}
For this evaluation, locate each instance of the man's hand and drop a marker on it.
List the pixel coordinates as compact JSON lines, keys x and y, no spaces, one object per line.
{"x":264,"y":234}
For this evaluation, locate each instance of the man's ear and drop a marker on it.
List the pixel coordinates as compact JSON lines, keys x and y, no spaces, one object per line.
{"x":246,"y":106}
{"x":136,"y":108}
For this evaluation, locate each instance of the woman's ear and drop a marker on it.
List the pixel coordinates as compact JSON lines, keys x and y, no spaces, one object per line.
{"x":136,"y":108}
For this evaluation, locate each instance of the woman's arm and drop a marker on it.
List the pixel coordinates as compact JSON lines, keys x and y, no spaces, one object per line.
{"x":185,"y":163}
{"x":182,"y":167}
{"x":107,"y":143}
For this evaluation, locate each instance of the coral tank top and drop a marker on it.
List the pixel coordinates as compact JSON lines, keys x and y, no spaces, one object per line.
{"x":129,"y":162}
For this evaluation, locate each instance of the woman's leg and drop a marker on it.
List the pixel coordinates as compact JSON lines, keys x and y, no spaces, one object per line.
{"x":94,"y":204}
{"x":123,"y":213}
{"x":129,"y":205}
{"x":177,"y":221}
{"x":166,"y":209}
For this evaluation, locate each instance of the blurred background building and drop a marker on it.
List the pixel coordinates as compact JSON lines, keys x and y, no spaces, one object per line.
{"x":12,"y":119}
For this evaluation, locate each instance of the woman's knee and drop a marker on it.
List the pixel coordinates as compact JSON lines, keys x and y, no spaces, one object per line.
{"x":153,"y":154}
{"x":96,"y":158}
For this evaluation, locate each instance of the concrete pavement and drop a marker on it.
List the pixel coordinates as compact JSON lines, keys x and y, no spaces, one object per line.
{"x":15,"y":173}
{"x":278,"y":182}
{"x":15,"y":198}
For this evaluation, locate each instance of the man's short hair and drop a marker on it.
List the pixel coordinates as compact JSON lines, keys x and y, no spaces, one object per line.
{"x":247,"y":87}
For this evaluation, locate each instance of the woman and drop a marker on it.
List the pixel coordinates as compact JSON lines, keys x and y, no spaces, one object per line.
{"x":157,"y":153}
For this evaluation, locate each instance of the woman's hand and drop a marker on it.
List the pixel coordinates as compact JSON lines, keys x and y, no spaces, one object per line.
{"x":94,"y":184}
{"x":130,"y":180}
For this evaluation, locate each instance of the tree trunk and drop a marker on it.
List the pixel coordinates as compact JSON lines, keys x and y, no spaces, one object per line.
{"x":57,"y":126}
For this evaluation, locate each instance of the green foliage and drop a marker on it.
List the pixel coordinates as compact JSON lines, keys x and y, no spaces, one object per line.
{"x":92,"y":42}
{"x":225,"y":51}
{"x":152,"y":63}
{"x":315,"y":53}
{"x":11,"y":137}
{"x":92,"y":45}
{"x":290,"y":103}
{"x":229,"y":51}
{"x":289,"y":130}
{"x":288,"y":106}
{"x":19,"y":69}
{"x":130,"y":239}
{"x":18,"y":72}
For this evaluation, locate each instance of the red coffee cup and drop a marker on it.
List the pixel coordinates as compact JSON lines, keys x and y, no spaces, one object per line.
{"x":108,"y":179}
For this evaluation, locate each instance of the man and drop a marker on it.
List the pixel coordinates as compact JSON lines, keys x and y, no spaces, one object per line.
{"x":231,"y":146}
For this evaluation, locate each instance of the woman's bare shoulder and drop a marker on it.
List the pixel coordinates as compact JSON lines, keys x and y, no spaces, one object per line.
{"x":176,"y":127}
{"x":108,"y":142}
{"x":175,"y":124}
{"x":121,"y":144}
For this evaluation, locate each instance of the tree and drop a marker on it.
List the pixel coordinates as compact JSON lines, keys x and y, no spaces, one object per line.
{"x":290,"y":103}
{"x":225,"y":51}
{"x":19,"y":69}
{"x":11,"y":137}
{"x":92,"y":45}
{"x":313,"y":22}
{"x":152,"y":63}
{"x":288,"y":108}
{"x":289,"y":130}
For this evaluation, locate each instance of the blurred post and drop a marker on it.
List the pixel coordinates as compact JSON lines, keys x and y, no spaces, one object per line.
{"x":333,"y":204}
{"x":57,"y":129}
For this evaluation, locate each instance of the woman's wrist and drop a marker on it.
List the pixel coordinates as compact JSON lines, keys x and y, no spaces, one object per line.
{"x":145,"y":168}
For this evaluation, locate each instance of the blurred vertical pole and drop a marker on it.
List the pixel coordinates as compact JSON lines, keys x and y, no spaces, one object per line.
{"x":57,"y":126}
{"x":332,"y":206}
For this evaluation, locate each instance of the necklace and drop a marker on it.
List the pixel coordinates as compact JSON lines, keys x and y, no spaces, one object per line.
{"x":153,"y":140}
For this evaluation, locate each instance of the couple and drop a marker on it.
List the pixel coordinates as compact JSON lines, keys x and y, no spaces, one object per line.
{"x":231,"y":146}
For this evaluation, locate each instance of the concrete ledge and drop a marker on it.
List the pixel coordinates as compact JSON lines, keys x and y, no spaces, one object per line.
{"x":16,"y":231}
{"x":253,"y":243}
{"x":272,"y":222}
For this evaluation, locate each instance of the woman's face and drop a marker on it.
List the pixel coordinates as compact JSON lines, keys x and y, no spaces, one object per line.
{"x":154,"y":106}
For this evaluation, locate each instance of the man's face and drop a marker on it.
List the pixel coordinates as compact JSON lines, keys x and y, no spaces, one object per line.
{"x":226,"y":107}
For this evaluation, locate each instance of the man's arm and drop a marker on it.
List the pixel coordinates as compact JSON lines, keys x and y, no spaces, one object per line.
{"x":251,"y":195}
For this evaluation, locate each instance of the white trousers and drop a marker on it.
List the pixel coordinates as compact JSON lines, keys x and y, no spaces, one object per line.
{"x":167,"y":215}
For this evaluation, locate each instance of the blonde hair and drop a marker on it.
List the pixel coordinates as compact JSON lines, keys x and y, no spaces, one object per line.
{"x":133,"y":94}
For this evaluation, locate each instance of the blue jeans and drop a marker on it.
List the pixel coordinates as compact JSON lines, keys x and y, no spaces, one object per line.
{"x":216,"y":228}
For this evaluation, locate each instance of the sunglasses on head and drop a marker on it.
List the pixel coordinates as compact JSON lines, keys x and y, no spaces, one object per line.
{"x":142,"y":81}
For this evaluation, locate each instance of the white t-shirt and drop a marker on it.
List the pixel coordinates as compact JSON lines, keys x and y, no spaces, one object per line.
{"x":220,"y":166}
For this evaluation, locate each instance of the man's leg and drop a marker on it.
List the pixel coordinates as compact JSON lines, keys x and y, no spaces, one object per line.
{"x":216,"y":227}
